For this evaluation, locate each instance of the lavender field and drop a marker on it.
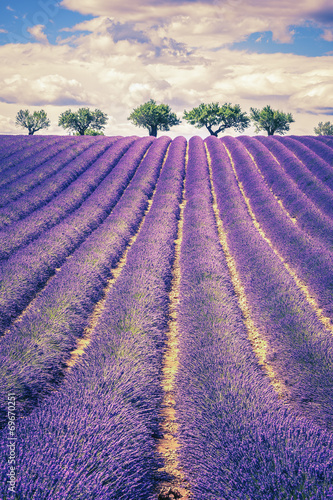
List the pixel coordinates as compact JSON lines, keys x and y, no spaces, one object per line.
{"x":166,"y":318}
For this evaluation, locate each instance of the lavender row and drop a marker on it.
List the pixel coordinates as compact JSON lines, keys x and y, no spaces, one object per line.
{"x":300,"y":349}
{"x":308,"y":257}
{"x":314,"y":188}
{"x":26,"y":159}
{"x":12,"y":144}
{"x":26,"y":272}
{"x":311,"y":160}
{"x":48,"y":164}
{"x":238,"y":441}
{"x":70,"y":199}
{"x":326,"y":139}
{"x":64,"y":168}
{"x":308,"y":216}
{"x":109,"y":402}
{"x":325,"y":151}
{"x":37,"y":346}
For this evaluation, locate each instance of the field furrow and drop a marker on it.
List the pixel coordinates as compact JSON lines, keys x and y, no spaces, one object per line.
{"x":28,"y":159}
{"x":311,"y":160}
{"x":45,"y":174}
{"x":324,"y":151}
{"x":166,"y":318}
{"x":67,"y":202}
{"x":70,"y":170}
{"x":312,"y":187}
{"x":237,"y":440}
{"x":172,"y":480}
{"x":110,"y":400}
{"x":297,"y":206}
{"x":47,"y":333}
{"x":10,"y":144}
{"x":28,"y":270}
{"x":299,"y":344}
{"x":307,"y":259}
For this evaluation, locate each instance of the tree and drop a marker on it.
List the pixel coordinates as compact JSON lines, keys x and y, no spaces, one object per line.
{"x":324,"y":128}
{"x":83,"y":120}
{"x":154,"y":117}
{"x":33,"y":122}
{"x":213,"y":115}
{"x":90,"y":131}
{"x":271,"y":120}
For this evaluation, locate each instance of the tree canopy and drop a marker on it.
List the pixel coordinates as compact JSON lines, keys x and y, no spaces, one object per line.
{"x":154,"y":117}
{"x":82,"y":121}
{"x":324,"y":128}
{"x":32,"y":121}
{"x":271,"y":120}
{"x":213,"y":115}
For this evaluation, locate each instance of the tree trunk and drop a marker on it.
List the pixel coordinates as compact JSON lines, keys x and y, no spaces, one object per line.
{"x":209,"y":128}
{"x":31,"y":132}
{"x":153,"y":130}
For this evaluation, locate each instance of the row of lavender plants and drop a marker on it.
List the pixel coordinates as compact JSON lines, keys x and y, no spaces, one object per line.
{"x":71,"y":198}
{"x":322,"y":169}
{"x":298,"y":205}
{"x":308,"y":257}
{"x":62,"y":153}
{"x":326,"y":139}
{"x":26,"y":159}
{"x":26,"y":272}
{"x":99,"y":431}
{"x":238,"y":441}
{"x":299,"y":346}
{"x":36,"y":348}
{"x":10,"y":144}
{"x":313,"y":188}
{"x":324,"y":150}
{"x":71,"y":164}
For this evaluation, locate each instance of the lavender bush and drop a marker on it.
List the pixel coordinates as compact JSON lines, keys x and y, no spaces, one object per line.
{"x":33,"y":265}
{"x":308,"y":216}
{"x":36,"y":347}
{"x":312,"y":187}
{"x":60,"y":154}
{"x":109,"y":402}
{"x":309,"y":258}
{"x":238,"y":441}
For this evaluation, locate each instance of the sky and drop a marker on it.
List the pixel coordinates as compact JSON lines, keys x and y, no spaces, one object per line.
{"x":106,"y":54}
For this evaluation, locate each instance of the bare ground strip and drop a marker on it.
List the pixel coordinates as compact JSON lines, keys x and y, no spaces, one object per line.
{"x":85,"y":340}
{"x":259,"y":345}
{"x":176,"y":486}
{"x":326,"y":321}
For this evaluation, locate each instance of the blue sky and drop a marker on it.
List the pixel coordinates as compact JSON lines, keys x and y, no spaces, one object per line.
{"x":306,"y":41}
{"x":17,"y":15}
{"x":110,"y":55}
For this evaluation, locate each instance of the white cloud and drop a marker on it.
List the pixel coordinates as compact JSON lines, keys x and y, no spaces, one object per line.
{"x":208,"y":23}
{"x":99,"y":72}
{"x":38,"y":33}
{"x":327,"y":35}
{"x":173,"y":53}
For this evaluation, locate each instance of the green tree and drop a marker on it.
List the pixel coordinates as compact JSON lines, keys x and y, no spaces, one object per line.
{"x":32,"y":121}
{"x":213,"y":115}
{"x":324,"y":128}
{"x":271,"y":120}
{"x":154,"y":117}
{"x":83,"y":120}
{"x":90,"y":131}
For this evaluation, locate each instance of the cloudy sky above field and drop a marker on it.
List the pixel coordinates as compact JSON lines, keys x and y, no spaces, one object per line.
{"x":112,"y":55}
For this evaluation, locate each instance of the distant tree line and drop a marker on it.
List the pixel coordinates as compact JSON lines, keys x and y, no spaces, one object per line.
{"x":159,"y":117}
